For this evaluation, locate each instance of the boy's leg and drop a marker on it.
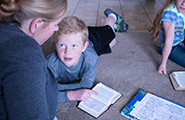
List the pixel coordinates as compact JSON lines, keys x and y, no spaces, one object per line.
{"x":113,"y":43}
{"x":101,"y":37}
{"x":120,"y":25}
{"x":110,"y":20}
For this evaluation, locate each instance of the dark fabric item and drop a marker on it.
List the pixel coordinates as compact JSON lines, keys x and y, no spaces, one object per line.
{"x":28,"y":91}
{"x":101,"y":37}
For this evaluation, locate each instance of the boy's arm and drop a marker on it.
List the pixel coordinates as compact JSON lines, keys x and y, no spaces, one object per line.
{"x":75,"y":95}
{"x":62,"y":96}
{"x":169,"y":29}
{"x":86,"y":81}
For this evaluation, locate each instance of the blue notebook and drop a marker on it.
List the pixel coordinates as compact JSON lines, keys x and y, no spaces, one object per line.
{"x":147,"y":106}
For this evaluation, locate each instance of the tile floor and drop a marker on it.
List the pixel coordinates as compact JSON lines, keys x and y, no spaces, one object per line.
{"x":139,"y":14}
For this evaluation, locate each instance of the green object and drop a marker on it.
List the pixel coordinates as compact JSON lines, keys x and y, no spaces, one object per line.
{"x":120,"y":25}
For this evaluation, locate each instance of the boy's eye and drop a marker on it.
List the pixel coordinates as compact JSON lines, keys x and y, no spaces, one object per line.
{"x":62,"y":45}
{"x":74,"y":46}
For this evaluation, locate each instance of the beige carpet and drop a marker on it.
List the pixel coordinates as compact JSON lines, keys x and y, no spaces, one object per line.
{"x":131,"y":66}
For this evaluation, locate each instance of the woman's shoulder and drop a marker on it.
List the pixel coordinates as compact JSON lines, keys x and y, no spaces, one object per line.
{"x":15,"y":42}
{"x":13,"y":35}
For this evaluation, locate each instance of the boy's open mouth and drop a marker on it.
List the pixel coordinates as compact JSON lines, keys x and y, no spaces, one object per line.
{"x":67,"y":59}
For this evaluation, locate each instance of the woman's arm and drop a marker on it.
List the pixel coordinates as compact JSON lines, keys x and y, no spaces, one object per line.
{"x":24,"y":84}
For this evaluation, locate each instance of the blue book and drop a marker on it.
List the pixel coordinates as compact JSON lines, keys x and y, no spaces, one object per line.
{"x":147,"y":106}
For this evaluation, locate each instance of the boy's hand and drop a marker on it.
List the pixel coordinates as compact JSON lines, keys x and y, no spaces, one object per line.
{"x":162,"y":69}
{"x":80,"y":95}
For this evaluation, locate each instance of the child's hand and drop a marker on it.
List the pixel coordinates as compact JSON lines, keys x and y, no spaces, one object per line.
{"x":80,"y":95}
{"x":162,"y":69}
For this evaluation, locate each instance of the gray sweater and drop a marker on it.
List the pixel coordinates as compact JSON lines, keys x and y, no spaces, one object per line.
{"x":76,"y":77}
{"x":28,"y":91}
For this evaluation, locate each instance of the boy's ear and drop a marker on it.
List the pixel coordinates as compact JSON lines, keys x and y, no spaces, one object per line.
{"x":35,"y":24}
{"x":85,"y":46}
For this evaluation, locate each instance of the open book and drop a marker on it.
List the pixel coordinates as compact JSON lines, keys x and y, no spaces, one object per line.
{"x":178,"y":80}
{"x":97,"y":104}
{"x":147,"y":106}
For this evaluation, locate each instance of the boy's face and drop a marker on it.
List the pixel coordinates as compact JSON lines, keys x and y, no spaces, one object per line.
{"x":69,"y":48}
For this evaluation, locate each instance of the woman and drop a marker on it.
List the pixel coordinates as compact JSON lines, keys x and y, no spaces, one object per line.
{"x":27,"y":91}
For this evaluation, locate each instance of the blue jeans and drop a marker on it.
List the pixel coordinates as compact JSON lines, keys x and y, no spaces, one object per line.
{"x":177,"y":54}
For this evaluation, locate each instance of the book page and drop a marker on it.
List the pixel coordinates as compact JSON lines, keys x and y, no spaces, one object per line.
{"x":152,"y":107}
{"x":97,"y":104}
{"x":94,"y":105}
{"x":180,"y":78}
{"x":105,"y":94}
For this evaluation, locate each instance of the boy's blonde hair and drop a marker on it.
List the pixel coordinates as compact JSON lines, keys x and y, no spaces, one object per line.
{"x":17,"y":11}
{"x":156,"y":23}
{"x":72,"y":24}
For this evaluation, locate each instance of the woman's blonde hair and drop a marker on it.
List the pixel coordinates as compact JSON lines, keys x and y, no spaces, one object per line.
{"x":156,"y":23}
{"x":72,"y":24}
{"x":17,"y":11}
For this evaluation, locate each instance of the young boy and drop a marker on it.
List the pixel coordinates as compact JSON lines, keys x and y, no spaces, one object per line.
{"x":77,"y":49}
